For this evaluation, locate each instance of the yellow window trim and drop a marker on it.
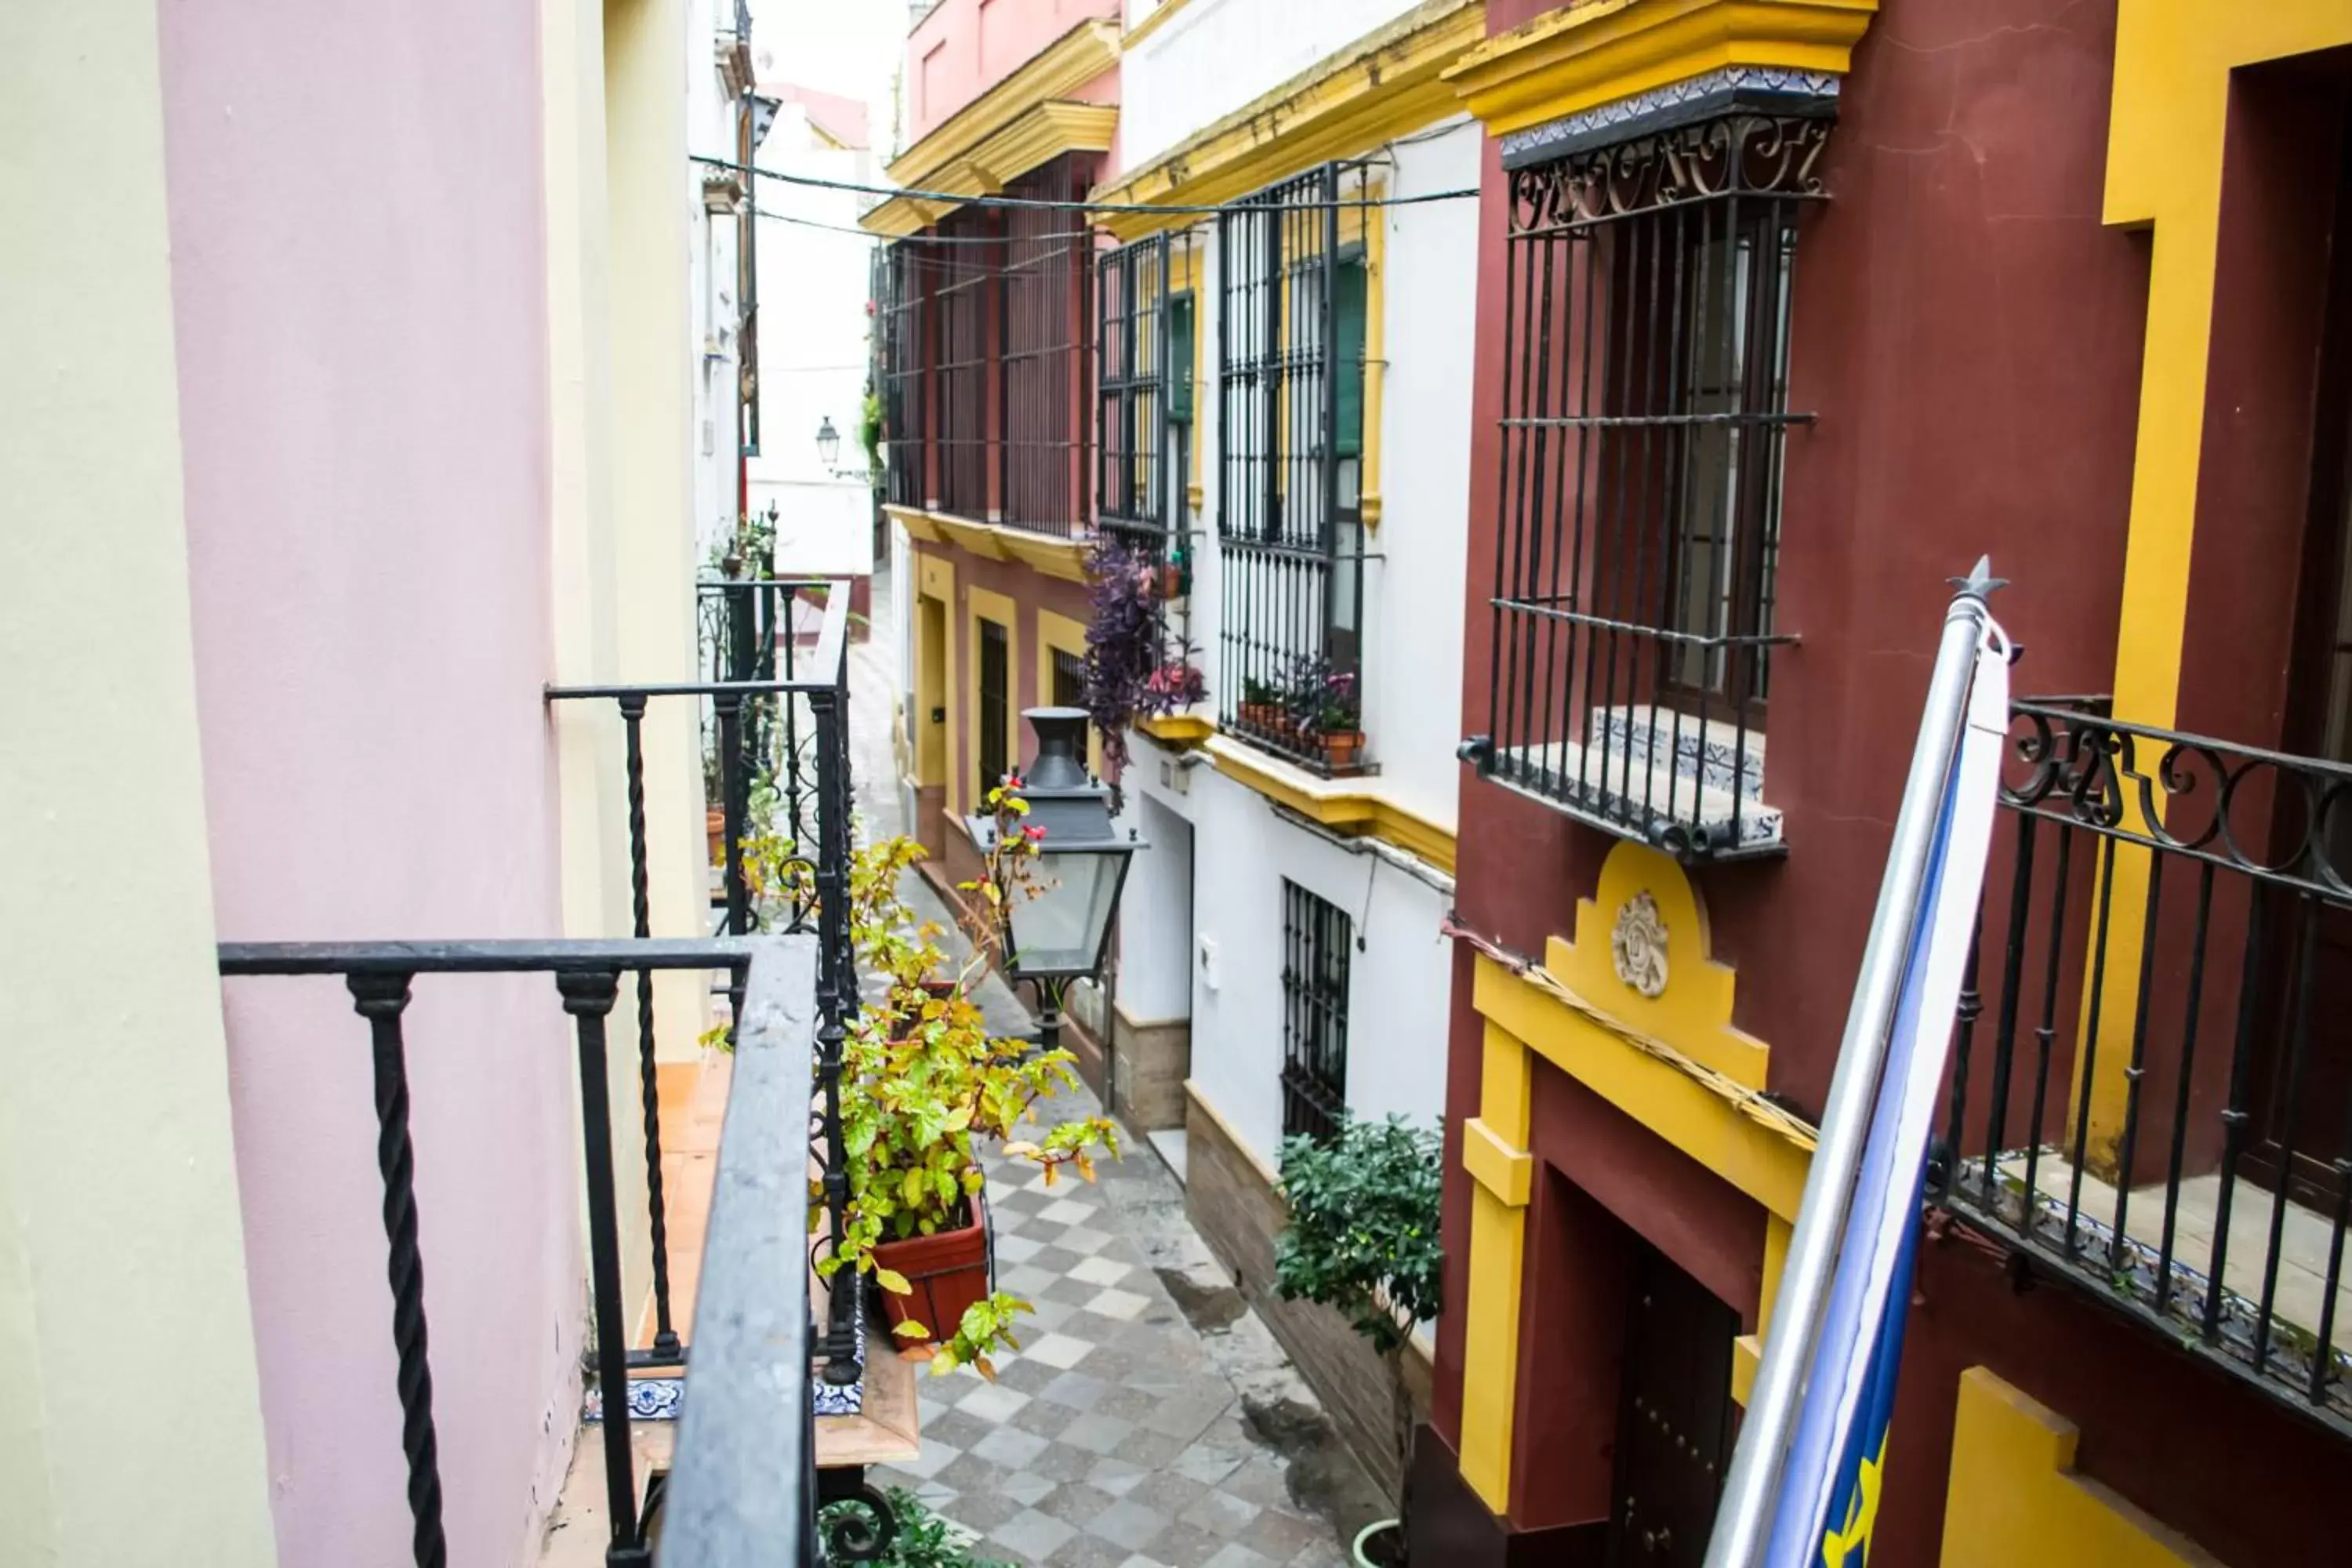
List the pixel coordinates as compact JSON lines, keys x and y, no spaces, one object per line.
{"x":1059,"y":634}
{"x":1179,"y":728}
{"x":935,"y":579}
{"x":1385,"y":85}
{"x":1351,"y":805}
{"x":2174,"y":60}
{"x":1023,"y":121}
{"x":980,"y":604}
{"x":1152,"y":24}
{"x":1571,"y":59}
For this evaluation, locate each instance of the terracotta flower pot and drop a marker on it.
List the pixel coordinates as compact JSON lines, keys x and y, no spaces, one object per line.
{"x":948,"y":1271}
{"x":714,"y":824}
{"x":1171,"y":580}
{"x":1343,"y":747}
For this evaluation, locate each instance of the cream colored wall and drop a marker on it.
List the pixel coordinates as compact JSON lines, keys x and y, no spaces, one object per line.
{"x":648,"y":185}
{"x":130,"y":1433}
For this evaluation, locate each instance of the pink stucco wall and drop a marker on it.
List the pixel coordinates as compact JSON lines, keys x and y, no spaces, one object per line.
{"x":360,"y":289}
{"x":966,"y":47}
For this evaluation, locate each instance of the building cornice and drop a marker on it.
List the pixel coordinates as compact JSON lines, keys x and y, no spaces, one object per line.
{"x":1026,"y":119}
{"x":1568,"y":61}
{"x":1387,"y":84}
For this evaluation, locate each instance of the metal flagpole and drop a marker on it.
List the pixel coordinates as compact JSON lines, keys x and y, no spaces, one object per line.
{"x":1744,"y":1517}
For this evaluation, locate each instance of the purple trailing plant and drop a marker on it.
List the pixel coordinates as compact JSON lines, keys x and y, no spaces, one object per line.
{"x":1131,"y":672}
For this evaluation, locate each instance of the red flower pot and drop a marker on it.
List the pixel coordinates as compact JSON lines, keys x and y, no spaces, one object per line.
{"x":948,"y":1271}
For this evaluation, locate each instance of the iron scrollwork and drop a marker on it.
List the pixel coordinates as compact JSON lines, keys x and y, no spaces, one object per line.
{"x":857,"y":1526}
{"x":2278,"y":818}
{"x":1737,"y":155}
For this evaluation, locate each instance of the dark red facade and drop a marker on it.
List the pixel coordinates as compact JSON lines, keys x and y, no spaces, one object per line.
{"x":1969,"y":333}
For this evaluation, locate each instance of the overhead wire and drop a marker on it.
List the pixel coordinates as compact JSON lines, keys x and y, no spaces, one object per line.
{"x":1150,"y":208}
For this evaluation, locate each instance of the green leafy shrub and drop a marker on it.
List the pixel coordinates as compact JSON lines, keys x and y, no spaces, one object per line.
{"x":1362,"y":1239}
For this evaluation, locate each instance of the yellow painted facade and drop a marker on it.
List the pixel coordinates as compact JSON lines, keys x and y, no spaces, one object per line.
{"x":2015,"y":1499}
{"x":1024,"y":121}
{"x":936,"y":689}
{"x":2173,"y":65}
{"x":1386,"y":85}
{"x":131,"y":1433}
{"x":1577,"y":57}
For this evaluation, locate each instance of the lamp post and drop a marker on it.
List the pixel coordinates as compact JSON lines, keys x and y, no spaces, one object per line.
{"x":1062,"y":932}
{"x":828,"y":440}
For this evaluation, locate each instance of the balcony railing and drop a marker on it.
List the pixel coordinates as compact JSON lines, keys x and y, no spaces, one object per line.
{"x":781,"y":744}
{"x":748,"y":1487}
{"x":2152,"y":1081}
{"x":775,"y":1042}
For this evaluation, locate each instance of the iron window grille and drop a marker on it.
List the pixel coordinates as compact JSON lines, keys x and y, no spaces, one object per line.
{"x":1292,"y":274}
{"x":1146,"y":315}
{"x":1069,"y":679}
{"x":995,"y":705}
{"x":1316,"y":938}
{"x":1644,"y":406}
{"x":967,"y":295}
{"x":1043,"y":396}
{"x":900,"y":345}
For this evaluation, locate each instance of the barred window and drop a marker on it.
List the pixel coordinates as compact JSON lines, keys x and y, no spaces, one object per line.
{"x":1045,"y":314}
{"x":966,"y":294}
{"x":1144,"y":345}
{"x":1645,"y":405}
{"x":1315,"y":941}
{"x":1290,"y":410}
{"x":900,"y":369}
{"x":1069,"y":679}
{"x":996,"y":703}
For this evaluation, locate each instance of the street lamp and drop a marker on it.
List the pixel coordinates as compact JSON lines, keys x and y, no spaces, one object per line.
{"x":828,"y":440}
{"x":1062,"y":932}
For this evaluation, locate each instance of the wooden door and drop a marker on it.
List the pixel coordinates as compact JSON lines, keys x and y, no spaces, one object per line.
{"x":2304,"y":1062}
{"x":1675,"y":1419}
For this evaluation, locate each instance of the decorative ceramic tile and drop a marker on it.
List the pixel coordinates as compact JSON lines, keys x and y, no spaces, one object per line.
{"x":1674,"y":103}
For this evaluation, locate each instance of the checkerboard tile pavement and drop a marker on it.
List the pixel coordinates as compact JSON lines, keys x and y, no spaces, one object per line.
{"x":1110,"y":1440}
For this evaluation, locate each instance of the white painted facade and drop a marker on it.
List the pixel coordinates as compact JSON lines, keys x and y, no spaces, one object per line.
{"x":1202,"y":923}
{"x":1212,"y":57}
{"x":715,"y":309}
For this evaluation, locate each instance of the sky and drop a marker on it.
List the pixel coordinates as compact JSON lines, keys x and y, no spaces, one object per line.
{"x":849,"y":46}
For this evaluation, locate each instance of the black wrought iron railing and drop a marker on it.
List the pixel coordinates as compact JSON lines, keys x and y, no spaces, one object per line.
{"x":2152,"y":1075}
{"x":381,"y":978}
{"x":781,"y":752}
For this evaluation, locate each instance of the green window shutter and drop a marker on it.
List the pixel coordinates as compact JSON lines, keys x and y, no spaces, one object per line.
{"x":1347,"y":347}
{"x":1179,"y":370}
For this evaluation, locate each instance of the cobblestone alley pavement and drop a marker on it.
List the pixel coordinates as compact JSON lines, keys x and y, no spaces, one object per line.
{"x":1124,"y":1433}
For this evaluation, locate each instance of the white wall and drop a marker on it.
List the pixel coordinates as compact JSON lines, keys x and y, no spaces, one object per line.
{"x":1156,"y":910}
{"x":1397,"y":981}
{"x":711,"y":118}
{"x":1215,"y":55}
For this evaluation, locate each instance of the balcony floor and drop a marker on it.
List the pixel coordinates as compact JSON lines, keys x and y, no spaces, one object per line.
{"x":2300,"y":1296}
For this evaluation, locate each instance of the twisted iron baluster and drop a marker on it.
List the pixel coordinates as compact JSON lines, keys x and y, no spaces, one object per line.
{"x":588,"y":996}
{"x":380,"y":999}
{"x":666,"y":1346}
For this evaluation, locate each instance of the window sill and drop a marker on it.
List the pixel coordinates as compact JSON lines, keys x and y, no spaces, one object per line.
{"x":1657,"y":777}
{"x":1353,"y":805}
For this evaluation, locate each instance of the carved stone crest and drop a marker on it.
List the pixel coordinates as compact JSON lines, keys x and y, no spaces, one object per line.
{"x":1638,"y":946}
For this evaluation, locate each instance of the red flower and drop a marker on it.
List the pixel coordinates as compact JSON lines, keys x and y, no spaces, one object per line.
{"x":1013,"y":781}
{"x":1034,"y":832}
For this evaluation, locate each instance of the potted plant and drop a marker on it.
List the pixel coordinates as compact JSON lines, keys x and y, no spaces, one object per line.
{"x":1261,"y":705}
{"x":1362,"y":1240}
{"x":921,"y":1080}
